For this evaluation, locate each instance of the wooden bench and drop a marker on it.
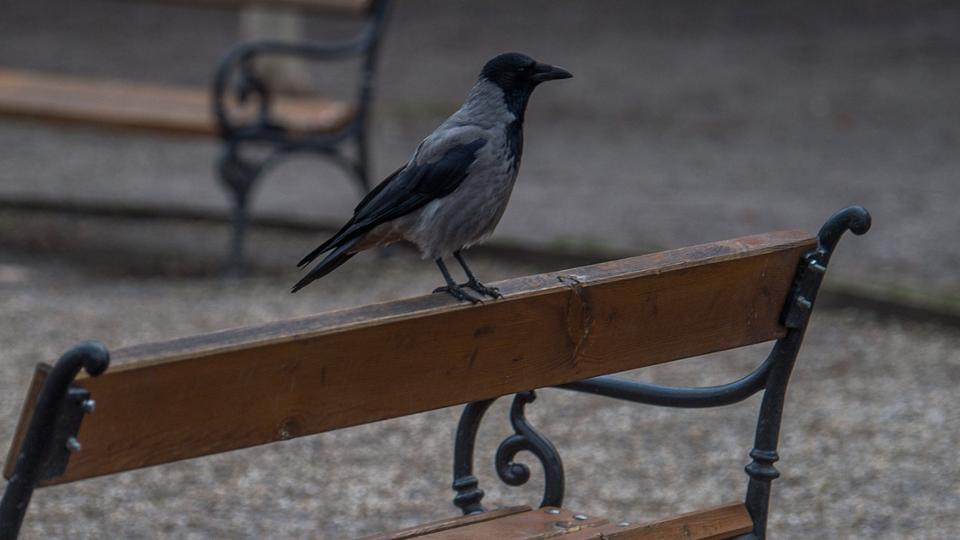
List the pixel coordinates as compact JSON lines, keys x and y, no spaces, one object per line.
{"x":212,"y":393}
{"x":240,"y":108}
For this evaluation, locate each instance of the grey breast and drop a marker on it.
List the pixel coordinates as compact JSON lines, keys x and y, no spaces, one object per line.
{"x":470,"y":213}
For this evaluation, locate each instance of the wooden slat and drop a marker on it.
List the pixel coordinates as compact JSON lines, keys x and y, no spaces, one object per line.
{"x":353,"y":8}
{"x":719,"y":523}
{"x":33,"y":393}
{"x":536,"y":525}
{"x":446,"y":524}
{"x":238,"y":388}
{"x":169,"y":110}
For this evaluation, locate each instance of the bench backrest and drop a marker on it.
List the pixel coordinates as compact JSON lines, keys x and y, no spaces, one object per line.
{"x":233,"y":389}
{"x":325,"y":7}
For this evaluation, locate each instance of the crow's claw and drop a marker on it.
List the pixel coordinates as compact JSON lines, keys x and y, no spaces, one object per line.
{"x":492,"y":292}
{"x":458,"y":293}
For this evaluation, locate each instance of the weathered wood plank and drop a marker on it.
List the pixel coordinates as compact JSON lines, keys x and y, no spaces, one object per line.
{"x":538,"y":524}
{"x":238,"y":388}
{"x":33,"y":393}
{"x":352,"y":8}
{"x":719,"y":523}
{"x":169,"y":110}
{"x":446,"y":524}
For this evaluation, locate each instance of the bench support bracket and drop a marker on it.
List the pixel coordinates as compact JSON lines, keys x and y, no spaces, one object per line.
{"x":237,"y":82}
{"x":52,"y":433}
{"x":771,"y":377}
{"x":524,"y":438}
{"x":795,"y":317}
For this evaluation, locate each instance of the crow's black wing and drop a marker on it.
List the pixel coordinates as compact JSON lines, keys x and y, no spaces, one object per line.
{"x":420,"y":184}
{"x":407,"y":189}
{"x":330,"y":242}
{"x":377,"y":189}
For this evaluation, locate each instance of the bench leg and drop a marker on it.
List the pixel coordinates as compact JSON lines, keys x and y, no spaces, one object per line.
{"x":239,"y":177}
{"x":46,"y":446}
{"x":465,"y":483}
{"x":235,"y":266}
{"x":357,"y":167}
{"x":761,"y":470}
{"x":795,"y":317}
{"x":363,"y":160}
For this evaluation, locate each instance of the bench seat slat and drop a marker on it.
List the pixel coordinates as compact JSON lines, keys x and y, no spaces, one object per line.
{"x":170,"y":110}
{"x":718,"y":523}
{"x":522,"y":523}
{"x":238,"y":388}
{"x":421,"y":530}
{"x":533,"y":525}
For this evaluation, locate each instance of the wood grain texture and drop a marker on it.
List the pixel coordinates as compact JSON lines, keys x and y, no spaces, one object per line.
{"x":445,"y":524}
{"x":169,"y":110}
{"x":233,"y":389}
{"x":534,"y":525}
{"x":522,"y":523}
{"x":721,"y":522}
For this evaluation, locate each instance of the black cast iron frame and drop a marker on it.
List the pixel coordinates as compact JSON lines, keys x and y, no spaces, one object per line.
{"x":267,"y":139}
{"x":771,"y":377}
{"x":52,"y":433}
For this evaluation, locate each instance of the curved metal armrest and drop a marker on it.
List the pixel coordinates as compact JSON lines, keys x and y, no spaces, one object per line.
{"x":311,"y":50}
{"x":50,"y":437}
{"x":242,"y":57}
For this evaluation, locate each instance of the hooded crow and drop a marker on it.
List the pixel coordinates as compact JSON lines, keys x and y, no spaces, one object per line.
{"x":455,"y":188}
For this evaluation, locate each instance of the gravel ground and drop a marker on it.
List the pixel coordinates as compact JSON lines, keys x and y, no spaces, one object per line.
{"x":869,"y":444}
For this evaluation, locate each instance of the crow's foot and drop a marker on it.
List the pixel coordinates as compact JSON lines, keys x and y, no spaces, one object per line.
{"x":457,"y":292}
{"x":492,"y":292}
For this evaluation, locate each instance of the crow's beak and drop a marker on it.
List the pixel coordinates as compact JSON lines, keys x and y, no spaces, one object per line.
{"x":546,"y":72}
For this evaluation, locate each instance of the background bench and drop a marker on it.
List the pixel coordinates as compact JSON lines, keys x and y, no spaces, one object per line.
{"x":234,"y":389}
{"x":241,"y":108}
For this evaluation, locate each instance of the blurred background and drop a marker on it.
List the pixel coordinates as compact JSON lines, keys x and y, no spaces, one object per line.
{"x":686,"y":122}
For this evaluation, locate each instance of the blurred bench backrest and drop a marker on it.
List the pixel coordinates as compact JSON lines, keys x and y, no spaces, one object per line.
{"x":322,"y":7}
{"x":216,"y":392}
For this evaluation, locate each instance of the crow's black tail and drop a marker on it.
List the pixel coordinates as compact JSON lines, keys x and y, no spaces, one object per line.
{"x":326,"y":246}
{"x":330,"y":263}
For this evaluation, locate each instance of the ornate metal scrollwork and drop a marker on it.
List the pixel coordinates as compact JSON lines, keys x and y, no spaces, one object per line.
{"x":237,"y":83}
{"x":524,"y":438}
{"x":465,"y":483}
{"x":812,"y":269}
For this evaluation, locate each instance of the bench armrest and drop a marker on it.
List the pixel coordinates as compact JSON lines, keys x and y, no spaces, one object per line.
{"x":240,"y":60}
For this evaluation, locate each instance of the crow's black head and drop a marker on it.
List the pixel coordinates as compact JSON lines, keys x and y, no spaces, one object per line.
{"x":515,"y":72}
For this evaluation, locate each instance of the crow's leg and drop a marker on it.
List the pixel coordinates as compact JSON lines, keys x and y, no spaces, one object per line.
{"x":472,"y":282}
{"x":451,"y":287}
